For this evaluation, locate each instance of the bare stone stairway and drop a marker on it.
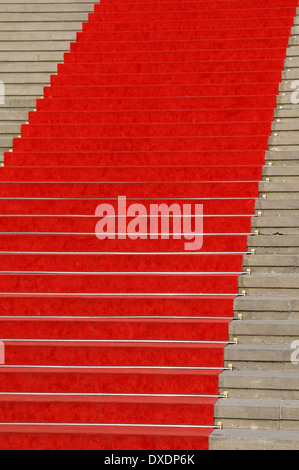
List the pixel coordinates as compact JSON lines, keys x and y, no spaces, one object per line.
{"x":33,"y":39}
{"x":261,"y":411}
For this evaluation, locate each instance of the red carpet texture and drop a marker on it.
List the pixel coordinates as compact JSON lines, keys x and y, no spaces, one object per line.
{"x":117,"y":343}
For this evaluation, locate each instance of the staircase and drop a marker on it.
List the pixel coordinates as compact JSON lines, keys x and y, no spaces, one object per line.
{"x":261,"y":411}
{"x":33,"y":38}
{"x":120,"y":343}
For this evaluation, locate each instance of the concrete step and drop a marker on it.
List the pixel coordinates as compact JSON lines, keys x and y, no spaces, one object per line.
{"x":16,"y":114}
{"x":271,"y":264}
{"x":279,"y":190}
{"x":257,"y":414}
{"x":267,"y":308}
{"x":243,"y":439}
{"x":288,"y":138}
{"x":284,"y":127}
{"x":34,"y":46}
{"x":31,"y":56}
{"x":281,"y":173}
{"x":58,"y":25}
{"x":29,"y":67}
{"x":46,"y":17}
{"x":24,"y":90}
{"x":269,"y":284}
{"x":263,"y":357}
{"x":26,"y":78}
{"x":276,"y":225}
{"x":262,"y":332}
{"x":19,"y":102}
{"x":9,"y":128}
{"x":32,"y":37}
{"x":25,"y":2}
{"x":277,"y":156}
{"x":282,"y":207}
{"x":274,"y":244}
{"x":260,"y":384}
{"x":63,"y":7}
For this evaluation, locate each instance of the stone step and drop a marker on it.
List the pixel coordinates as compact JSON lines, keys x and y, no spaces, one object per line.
{"x":29,"y":67}
{"x":9,"y":128}
{"x":274,"y":244}
{"x":5,"y":142}
{"x":59,"y":25}
{"x":271,"y":264}
{"x":281,"y":173}
{"x":38,"y":36}
{"x":293,"y":51}
{"x":44,"y":18}
{"x":16,"y":114}
{"x":267,"y":308}
{"x":19,"y":102}
{"x":291,"y":63}
{"x":278,"y":156}
{"x":279,"y":190}
{"x":275,"y":225}
{"x":288,"y":113}
{"x":269,"y":284}
{"x":243,"y":439}
{"x":24,"y":46}
{"x":24,"y":90}
{"x":24,"y":2}
{"x":260,"y":384}
{"x":31,"y":56}
{"x":271,"y":332}
{"x":287,"y":138}
{"x":257,"y":414}
{"x":64,"y":7}
{"x":263,"y":357}
{"x":263,"y":205}
{"x":26,"y":78}
{"x":290,"y":74}
{"x":286,"y":126}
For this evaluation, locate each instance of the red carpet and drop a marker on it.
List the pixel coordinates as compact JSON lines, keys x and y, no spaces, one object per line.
{"x":119,"y":343}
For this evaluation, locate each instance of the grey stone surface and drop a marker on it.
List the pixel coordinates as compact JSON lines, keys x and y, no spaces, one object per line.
{"x":262,"y":410}
{"x":33,"y":39}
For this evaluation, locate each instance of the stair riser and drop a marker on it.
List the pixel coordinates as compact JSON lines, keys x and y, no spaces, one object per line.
{"x":144,"y":158}
{"x":159,"y":103}
{"x":159,"y":56}
{"x":180,"y":44}
{"x":111,"y":355}
{"x":103,"y":16}
{"x":144,"y":263}
{"x":117,"y":307}
{"x":182,"y":25}
{"x":194,"y":35}
{"x":88,"y":224}
{"x":109,"y":382}
{"x":106,"y":412}
{"x":133,"y":190}
{"x":164,"y":174}
{"x":143,"y":117}
{"x":156,"y":130}
{"x":275,"y":65}
{"x":150,"y":144}
{"x":116,"y":439}
{"x":119,"y":283}
{"x":156,"y":6}
{"x":85,"y":243}
{"x":92,"y":329}
{"x":260,"y":393}
{"x":87,"y":207}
